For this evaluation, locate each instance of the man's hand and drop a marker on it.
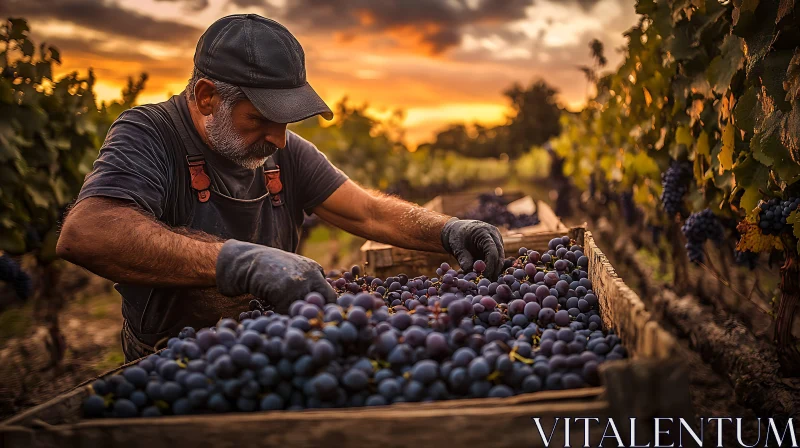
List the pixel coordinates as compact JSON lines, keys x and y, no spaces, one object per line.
{"x":274,"y":275}
{"x":470,"y":240}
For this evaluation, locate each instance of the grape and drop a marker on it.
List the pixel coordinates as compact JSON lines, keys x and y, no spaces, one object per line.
{"x":12,"y":273}
{"x":773,"y":214}
{"x":697,"y":229}
{"x":124,"y":408}
{"x":492,"y":209}
{"x":424,"y":371}
{"x":94,"y":406}
{"x":369,"y":349}
{"x":675,"y":184}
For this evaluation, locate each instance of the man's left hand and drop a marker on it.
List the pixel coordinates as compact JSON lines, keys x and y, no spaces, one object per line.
{"x":470,"y":240}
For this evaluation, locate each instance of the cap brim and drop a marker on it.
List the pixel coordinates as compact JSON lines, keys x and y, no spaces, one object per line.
{"x":288,"y":105}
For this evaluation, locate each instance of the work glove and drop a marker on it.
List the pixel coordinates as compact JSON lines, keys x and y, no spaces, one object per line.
{"x":470,"y":240}
{"x":273,"y":275}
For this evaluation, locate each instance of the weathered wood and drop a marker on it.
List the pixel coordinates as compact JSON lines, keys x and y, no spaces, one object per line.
{"x":397,"y":426}
{"x":457,"y":204}
{"x":624,"y":311}
{"x":384,"y":260}
{"x":750,"y":364}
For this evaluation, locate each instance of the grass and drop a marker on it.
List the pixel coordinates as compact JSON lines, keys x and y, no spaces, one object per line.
{"x":15,"y":322}
{"x":112,"y":359}
{"x":651,"y":260}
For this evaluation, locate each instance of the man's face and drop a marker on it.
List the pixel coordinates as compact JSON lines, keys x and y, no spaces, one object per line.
{"x":240,"y":133}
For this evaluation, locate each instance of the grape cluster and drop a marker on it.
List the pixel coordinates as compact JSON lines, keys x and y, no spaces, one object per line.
{"x":11,"y":273}
{"x":772,"y":219}
{"x":384,"y":341}
{"x":698,"y":228}
{"x":493,"y":210}
{"x":746,"y":258}
{"x":675,"y":183}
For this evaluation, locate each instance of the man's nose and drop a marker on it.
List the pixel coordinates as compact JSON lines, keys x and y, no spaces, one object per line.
{"x":276,"y":134}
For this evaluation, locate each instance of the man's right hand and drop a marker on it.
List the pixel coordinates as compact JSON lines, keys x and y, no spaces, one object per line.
{"x":274,"y":275}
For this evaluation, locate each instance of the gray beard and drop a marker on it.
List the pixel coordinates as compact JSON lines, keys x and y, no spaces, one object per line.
{"x":224,"y":140}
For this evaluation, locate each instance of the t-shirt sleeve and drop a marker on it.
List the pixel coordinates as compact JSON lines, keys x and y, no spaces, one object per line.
{"x":132,"y":165}
{"x":316,"y":177}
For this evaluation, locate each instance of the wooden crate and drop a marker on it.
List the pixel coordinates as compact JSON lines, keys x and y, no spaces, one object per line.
{"x":384,"y":260}
{"x":652,"y":382}
{"x":455,"y":204}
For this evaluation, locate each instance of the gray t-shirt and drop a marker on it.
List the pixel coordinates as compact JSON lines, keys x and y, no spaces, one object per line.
{"x":143,"y":160}
{"x":137,"y":162}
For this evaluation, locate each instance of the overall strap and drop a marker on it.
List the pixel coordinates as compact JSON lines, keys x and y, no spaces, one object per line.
{"x":194,"y":158}
{"x":272,"y":177}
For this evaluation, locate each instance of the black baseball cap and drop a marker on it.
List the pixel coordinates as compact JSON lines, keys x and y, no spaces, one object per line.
{"x":265,"y":60}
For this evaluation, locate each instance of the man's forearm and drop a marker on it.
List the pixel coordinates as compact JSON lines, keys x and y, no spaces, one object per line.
{"x":119,"y":242}
{"x":403,"y":224}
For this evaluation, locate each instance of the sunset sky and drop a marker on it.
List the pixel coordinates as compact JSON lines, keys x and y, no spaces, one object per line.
{"x":441,"y":61}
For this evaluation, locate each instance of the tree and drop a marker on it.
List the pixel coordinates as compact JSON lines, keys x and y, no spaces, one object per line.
{"x":50,"y":133}
{"x":533,"y":121}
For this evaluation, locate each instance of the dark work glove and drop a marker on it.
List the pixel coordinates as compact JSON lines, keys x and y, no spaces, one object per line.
{"x":470,"y":240}
{"x":274,"y":275}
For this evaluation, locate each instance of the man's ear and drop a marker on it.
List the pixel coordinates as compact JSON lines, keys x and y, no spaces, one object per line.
{"x":205,"y":96}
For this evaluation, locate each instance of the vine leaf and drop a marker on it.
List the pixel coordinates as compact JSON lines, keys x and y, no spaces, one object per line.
{"x":794,"y":220}
{"x":751,"y":237}
{"x":726,"y":153}
{"x":792,"y":82}
{"x":744,"y":113}
{"x":683,"y":136}
{"x":751,"y":176}
{"x":722,"y":68}
{"x":784,"y":9}
{"x":702,"y":147}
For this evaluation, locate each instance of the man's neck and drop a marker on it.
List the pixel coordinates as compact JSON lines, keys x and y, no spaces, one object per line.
{"x":198,"y":119}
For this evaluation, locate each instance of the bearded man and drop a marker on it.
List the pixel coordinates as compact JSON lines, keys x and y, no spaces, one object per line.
{"x":195,"y":205}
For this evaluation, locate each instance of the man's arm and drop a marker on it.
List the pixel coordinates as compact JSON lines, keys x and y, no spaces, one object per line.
{"x":379,"y":217}
{"x":116,"y":240}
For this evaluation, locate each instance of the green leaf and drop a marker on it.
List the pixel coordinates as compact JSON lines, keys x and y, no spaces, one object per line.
{"x":746,"y":110}
{"x":773,"y":72}
{"x":644,"y":7}
{"x":683,"y":136}
{"x":18,"y":28}
{"x":728,"y":143}
{"x":792,"y":82}
{"x":722,"y":68}
{"x":55,"y":54}
{"x":702,"y":147}
{"x":751,"y":175}
{"x":44,"y":70}
{"x":744,"y":16}
{"x":768,"y":149}
{"x":784,"y":9}
{"x":27,"y":47}
{"x":12,"y":241}
{"x":794,"y":220}
{"x":790,"y":132}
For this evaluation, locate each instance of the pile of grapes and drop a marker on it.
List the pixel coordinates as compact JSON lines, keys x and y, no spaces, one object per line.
{"x":772,"y":219}
{"x":385,"y":341}
{"x":493,"y":210}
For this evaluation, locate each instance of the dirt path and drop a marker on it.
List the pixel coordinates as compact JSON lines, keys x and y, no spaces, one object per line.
{"x":90,"y":322}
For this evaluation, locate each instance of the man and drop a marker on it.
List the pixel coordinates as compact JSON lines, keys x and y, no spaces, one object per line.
{"x":194,"y":205}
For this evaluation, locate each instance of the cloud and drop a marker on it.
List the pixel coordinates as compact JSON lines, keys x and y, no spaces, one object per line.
{"x":104,"y":16}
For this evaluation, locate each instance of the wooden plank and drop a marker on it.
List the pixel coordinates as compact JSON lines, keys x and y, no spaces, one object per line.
{"x":408,"y":425}
{"x":523,"y":206}
{"x":624,"y":311}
